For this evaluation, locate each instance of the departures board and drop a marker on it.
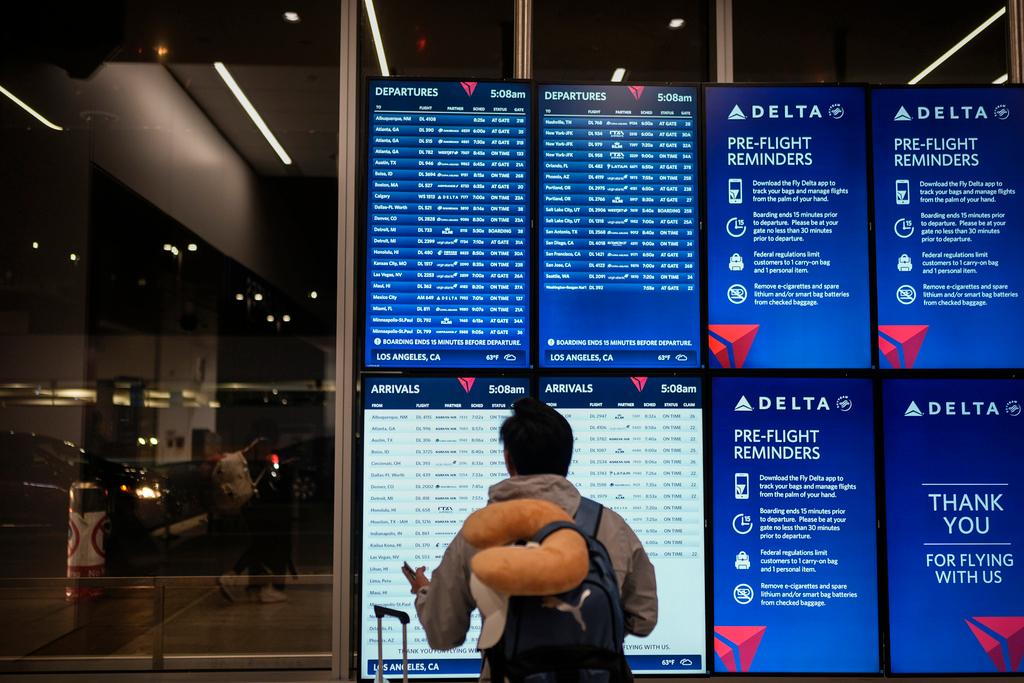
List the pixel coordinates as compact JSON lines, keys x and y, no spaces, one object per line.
{"x":447,"y":224}
{"x":618,"y":227}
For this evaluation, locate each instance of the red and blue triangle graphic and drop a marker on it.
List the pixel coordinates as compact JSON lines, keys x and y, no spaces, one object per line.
{"x":1002,"y":638}
{"x":730,"y":344}
{"x":900,"y":344}
{"x":737,"y":645}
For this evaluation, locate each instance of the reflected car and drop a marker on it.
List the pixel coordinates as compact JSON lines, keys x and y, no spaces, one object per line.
{"x":309,"y":468}
{"x":38,"y":472}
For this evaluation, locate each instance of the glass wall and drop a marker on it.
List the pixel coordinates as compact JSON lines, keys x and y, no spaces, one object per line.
{"x":869,"y":41}
{"x":456,"y":38}
{"x":167,"y":335}
{"x":662,"y":40}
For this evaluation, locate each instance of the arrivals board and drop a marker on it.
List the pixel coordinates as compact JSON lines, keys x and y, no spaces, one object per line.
{"x":639,"y":451}
{"x":795,"y":565}
{"x":787,"y":216}
{"x":430,"y":451}
{"x":954,"y":467}
{"x":618,"y":218}
{"x":949,"y":205}
{"x":447,"y":224}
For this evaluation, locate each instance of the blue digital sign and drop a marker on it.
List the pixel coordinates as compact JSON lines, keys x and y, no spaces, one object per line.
{"x":619,"y":276}
{"x":638,"y":449}
{"x":954,"y":463}
{"x":794,"y":526}
{"x":447,"y":224}
{"x":949,"y":203}
{"x":430,"y":451}
{"x":787,"y":227}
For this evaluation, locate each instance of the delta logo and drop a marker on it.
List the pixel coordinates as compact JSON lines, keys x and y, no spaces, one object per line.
{"x":791,"y":404}
{"x":961,"y":409}
{"x":957,"y":112}
{"x":730,"y":344}
{"x":639,"y":382}
{"x":900,"y":344}
{"x":784,"y":111}
{"x":736,"y":646}
{"x":467,"y":383}
{"x":469,"y":87}
{"x":636,"y":91}
{"x":1002,"y":639}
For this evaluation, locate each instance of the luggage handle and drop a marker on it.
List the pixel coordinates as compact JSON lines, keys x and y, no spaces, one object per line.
{"x":380,"y":612}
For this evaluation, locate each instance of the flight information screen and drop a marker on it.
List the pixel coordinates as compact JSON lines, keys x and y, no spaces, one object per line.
{"x":949,"y":203}
{"x":787,"y":199}
{"x":639,"y":451}
{"x":619,"y":277}
{"x":430,"y":451}
{"x":795,"y":566}
{"x":954,"y":466}
{"x":447,"y":224}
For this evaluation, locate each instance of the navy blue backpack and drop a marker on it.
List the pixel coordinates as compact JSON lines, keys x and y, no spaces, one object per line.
{"x":573,"y":637}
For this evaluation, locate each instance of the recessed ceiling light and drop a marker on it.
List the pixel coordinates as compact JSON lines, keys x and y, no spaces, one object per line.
{"x":35,"y":245}
{"x":618,"y":75}
{"x":270,"y":318}
{"x":193,"y":247}
{"x":239,"y":297}
{"x":292,"y":17}
{"x":286,"y":318}
{"x":313,"y":294}
{"x":73,"y":256}
{"x":678,"y":22}
{"x":257,"y":297}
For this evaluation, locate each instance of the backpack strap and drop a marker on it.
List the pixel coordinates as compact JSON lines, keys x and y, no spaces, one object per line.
{"x":551,"y":528}
{"x":588,"y":516}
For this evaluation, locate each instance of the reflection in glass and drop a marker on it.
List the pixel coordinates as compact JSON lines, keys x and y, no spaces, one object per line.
{"x":167,"y":339}
{"x":874,"y":41}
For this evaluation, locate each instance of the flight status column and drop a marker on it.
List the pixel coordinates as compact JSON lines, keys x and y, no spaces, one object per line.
{"x":447,"y":224}
{"x":949,"y":201}
{"x":430,"y":452}
{"x":619,"y":276}
{"x":639,"y":450}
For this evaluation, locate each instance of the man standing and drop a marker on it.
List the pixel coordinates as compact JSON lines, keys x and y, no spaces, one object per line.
{"x":538,"y":450}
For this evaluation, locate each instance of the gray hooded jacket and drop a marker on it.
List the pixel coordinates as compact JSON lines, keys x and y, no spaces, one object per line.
{"x":444,"y":607}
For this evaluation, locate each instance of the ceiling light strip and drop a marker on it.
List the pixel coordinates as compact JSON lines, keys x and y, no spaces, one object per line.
{"x":618,"y":75}
{"x":251,"y":111}
{"x":371,"y":15}
{"x":39,"y":117}
{"x":953,"y":50}
{"x":1002,"y":79}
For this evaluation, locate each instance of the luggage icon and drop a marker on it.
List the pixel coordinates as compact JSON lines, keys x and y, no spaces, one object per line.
{"x":742,"y":560}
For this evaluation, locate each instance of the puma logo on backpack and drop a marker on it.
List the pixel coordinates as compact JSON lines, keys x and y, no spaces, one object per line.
{"x":576,"y":611}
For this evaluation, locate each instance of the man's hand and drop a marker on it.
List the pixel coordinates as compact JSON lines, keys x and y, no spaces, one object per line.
{"x":417,"y":579}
